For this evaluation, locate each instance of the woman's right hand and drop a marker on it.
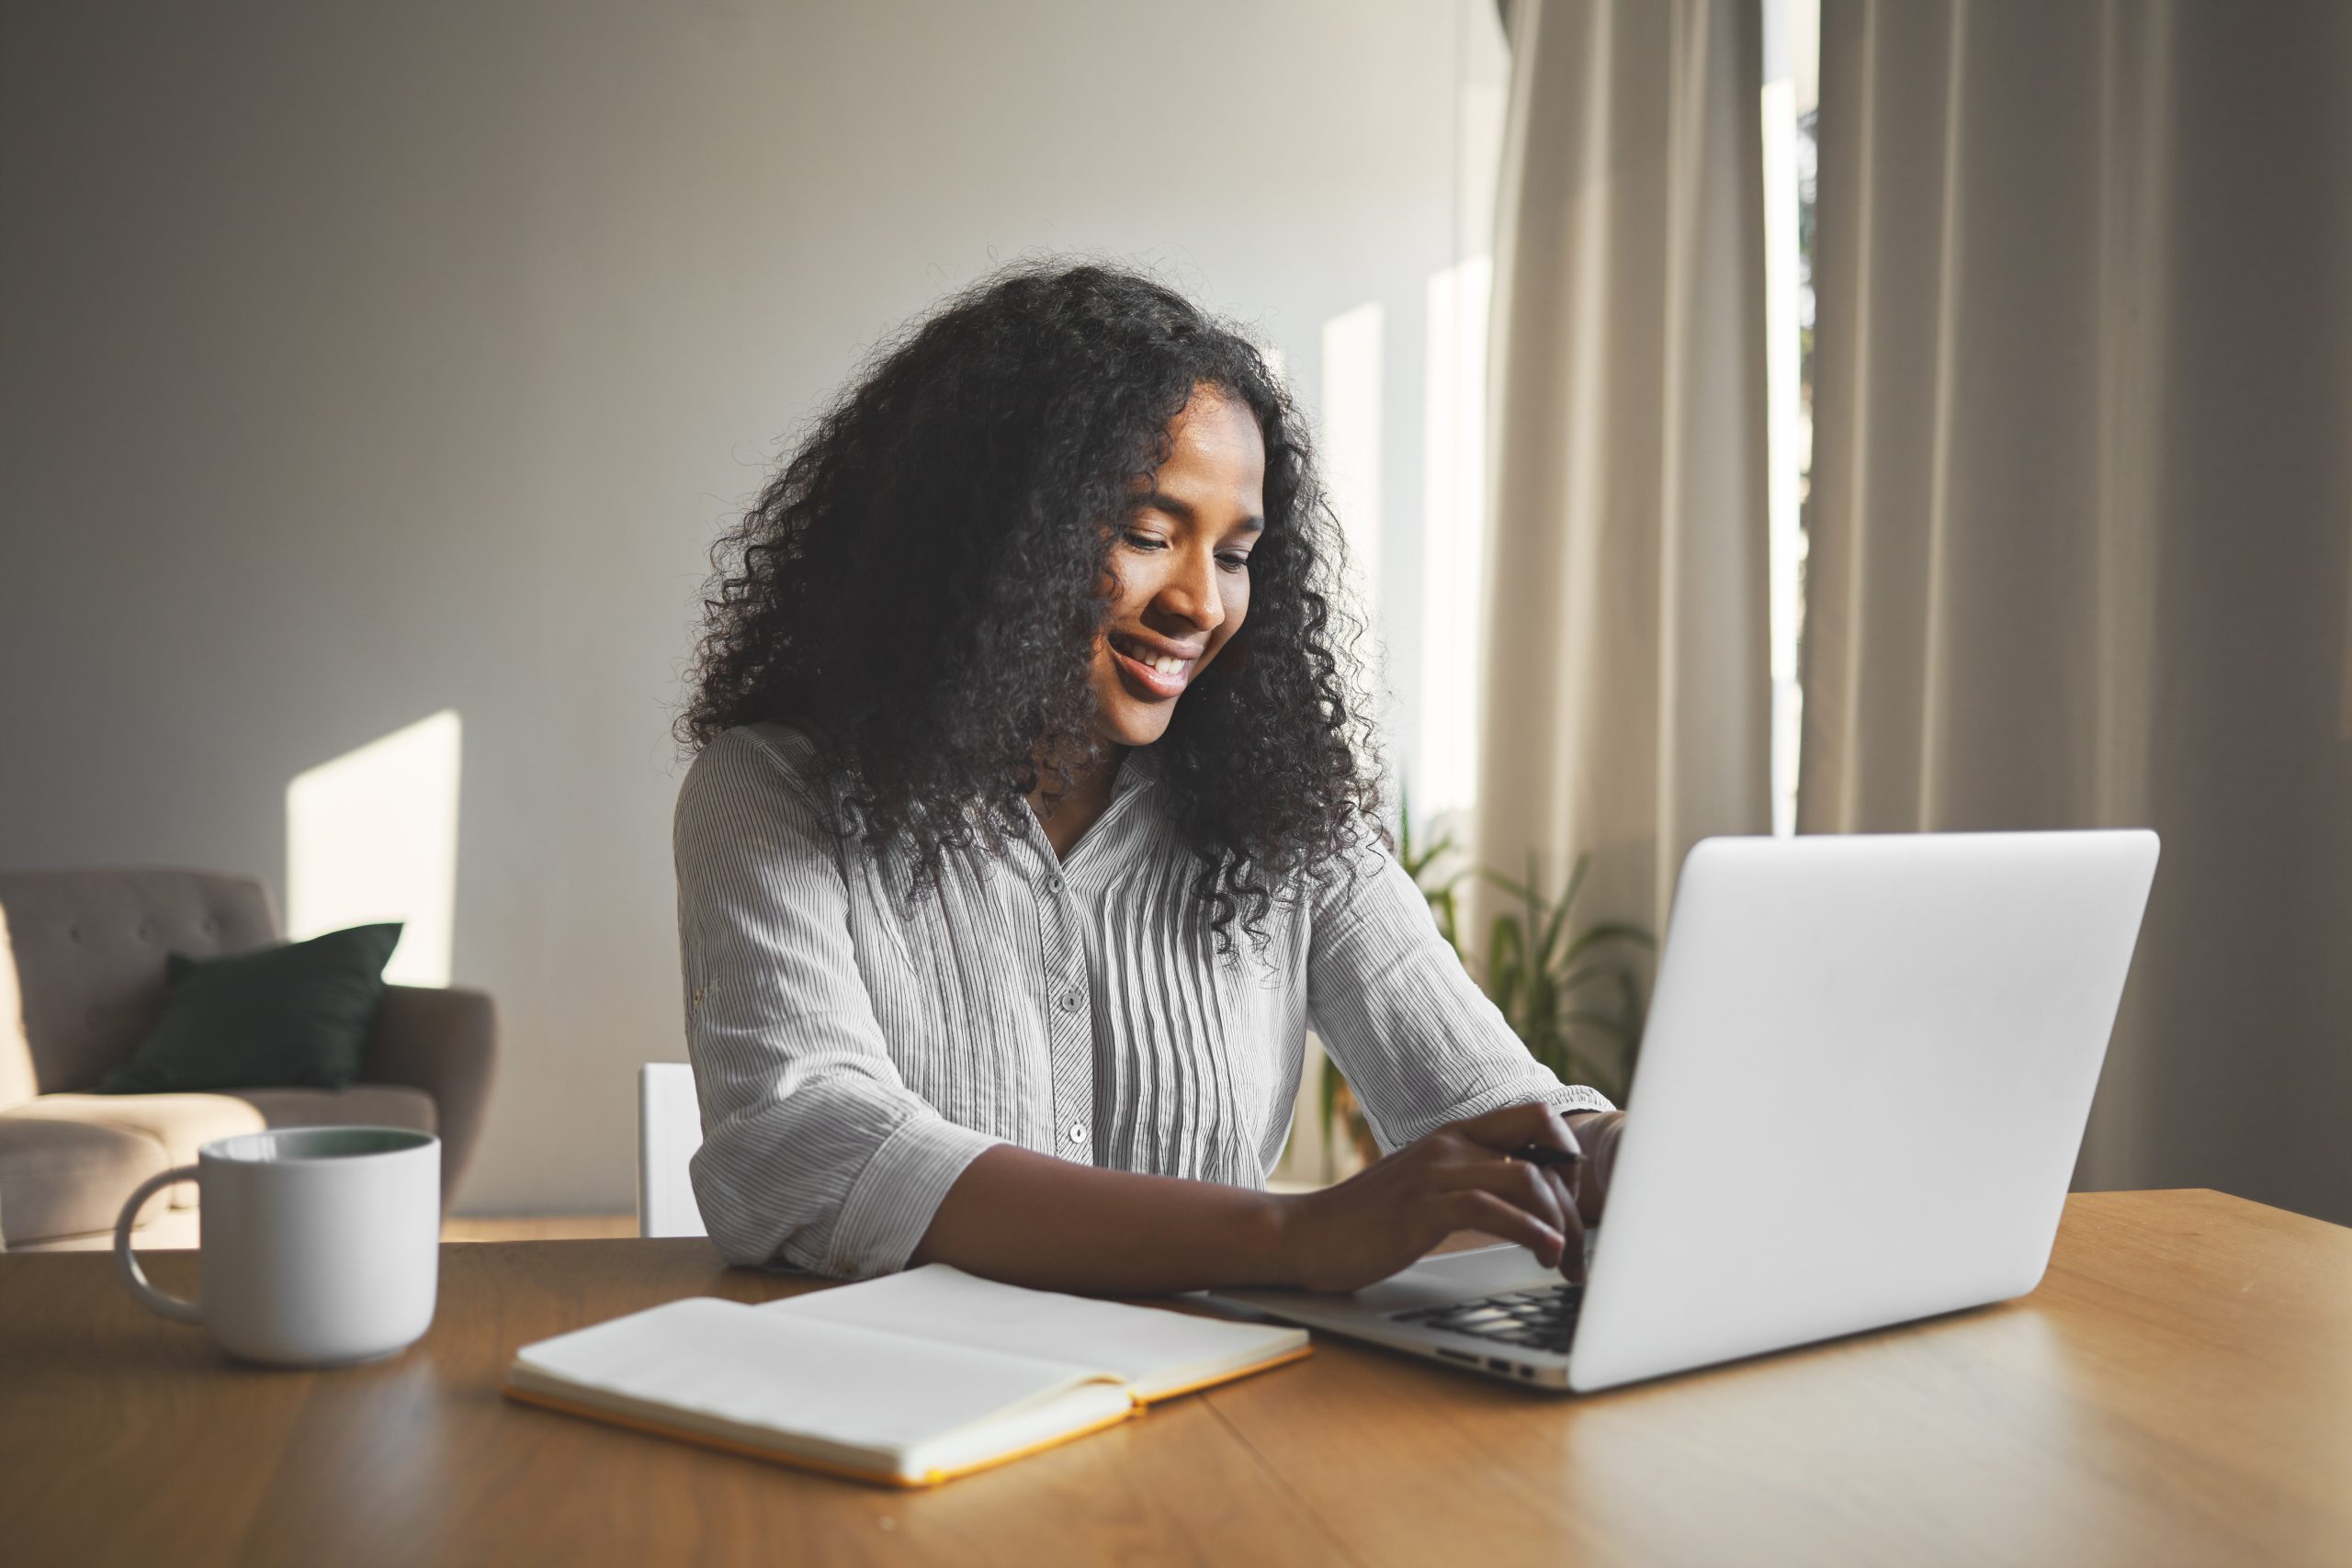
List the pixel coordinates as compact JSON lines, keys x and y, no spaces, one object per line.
{"x":1460,"y":1178}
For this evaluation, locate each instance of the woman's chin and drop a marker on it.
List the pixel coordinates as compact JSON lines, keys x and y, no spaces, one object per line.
{"x":1124,"y":721}
{"x":1137,"y":729}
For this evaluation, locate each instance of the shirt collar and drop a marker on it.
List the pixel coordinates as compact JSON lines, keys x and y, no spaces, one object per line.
{"x":1140,"y":770}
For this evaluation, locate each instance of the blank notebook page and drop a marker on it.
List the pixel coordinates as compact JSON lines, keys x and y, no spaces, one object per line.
{"x":859,"y":1394}
{"x":1157,"y":1350}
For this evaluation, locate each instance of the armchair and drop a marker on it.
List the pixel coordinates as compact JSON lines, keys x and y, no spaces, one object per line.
{"x":81,"y":956}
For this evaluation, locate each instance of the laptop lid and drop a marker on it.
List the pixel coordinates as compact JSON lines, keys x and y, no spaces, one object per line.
{"x":1867,"y":1070}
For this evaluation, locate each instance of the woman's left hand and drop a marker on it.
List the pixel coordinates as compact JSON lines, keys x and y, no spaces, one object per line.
{"x":1598,"y":1133}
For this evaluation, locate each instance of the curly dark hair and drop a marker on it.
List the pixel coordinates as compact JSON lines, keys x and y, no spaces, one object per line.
{"x":921,"y":585}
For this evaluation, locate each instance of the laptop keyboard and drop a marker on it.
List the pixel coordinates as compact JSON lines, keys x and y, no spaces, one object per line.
{"x":1541,"y":1319}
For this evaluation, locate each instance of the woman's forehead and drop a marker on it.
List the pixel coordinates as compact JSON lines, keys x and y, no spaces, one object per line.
{"x":1216,"y":455}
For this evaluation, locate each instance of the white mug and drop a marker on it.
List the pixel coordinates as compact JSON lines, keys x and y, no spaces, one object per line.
{"x":321,"y":1244}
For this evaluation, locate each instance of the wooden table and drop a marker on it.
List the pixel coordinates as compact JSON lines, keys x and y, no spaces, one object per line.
{"x":2178,"y":1391}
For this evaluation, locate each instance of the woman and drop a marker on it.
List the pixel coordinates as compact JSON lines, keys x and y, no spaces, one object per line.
{"x":1031,"y":826}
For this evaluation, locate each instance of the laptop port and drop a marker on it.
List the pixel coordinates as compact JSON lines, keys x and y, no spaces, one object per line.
{"x":1497,"y":1364}
{"x":1457,"y":1355}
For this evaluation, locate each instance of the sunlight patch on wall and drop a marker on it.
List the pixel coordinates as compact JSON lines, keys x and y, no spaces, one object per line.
{"x":1453,"y":489}
{"x":1352,"y":440}
{"x":1791,"y":46}
{"x":373,"y":836}
{"x":1784,"y":462}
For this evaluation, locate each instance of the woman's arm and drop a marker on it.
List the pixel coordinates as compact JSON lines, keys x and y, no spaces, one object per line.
{"x":1032,"y":1220}
{"x":814,"y":1149}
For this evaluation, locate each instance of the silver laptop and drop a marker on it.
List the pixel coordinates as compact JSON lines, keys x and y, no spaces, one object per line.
{"x":1867,"y":1067}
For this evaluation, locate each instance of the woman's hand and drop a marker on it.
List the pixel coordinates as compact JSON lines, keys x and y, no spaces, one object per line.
{"x":1459,"y":1177}
{"x":1035,"y":1220}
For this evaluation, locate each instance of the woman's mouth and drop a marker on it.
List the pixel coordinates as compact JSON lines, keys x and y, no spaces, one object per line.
{"x":1151,"y":672}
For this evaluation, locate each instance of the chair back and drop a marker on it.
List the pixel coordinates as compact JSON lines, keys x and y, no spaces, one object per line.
{"x":669,"y":1131}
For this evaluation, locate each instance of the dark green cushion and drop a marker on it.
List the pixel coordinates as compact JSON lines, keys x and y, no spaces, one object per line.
{"x":291,"y":1017}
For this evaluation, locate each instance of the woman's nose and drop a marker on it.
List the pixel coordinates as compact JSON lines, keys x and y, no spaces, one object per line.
{"x":1190,"y":591}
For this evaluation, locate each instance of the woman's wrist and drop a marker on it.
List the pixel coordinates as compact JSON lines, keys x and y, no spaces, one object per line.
{"x":1271,"y":1238}
{"x":1031,"y":1219}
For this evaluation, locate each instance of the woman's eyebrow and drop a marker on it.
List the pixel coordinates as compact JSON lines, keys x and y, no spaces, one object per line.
{"x":1161,"y":501}
{"x":1184,"y":512}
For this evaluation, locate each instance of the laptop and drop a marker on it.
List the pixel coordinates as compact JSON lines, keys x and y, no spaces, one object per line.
{"x":1864,"y":1083}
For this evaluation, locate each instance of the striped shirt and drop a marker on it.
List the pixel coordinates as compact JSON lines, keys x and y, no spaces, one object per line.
{"x":854,"y":1048}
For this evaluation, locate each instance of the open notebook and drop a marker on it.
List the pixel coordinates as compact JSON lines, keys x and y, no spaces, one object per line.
{"x":910,"y":1379}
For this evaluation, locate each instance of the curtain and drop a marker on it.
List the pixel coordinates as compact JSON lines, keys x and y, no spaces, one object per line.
{"x":1627,"y":682}
{"x":2080,"y":518}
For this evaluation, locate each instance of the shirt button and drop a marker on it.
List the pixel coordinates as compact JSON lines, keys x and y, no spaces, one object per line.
{"x":1071,"y":1001}
{"x":1054,"y":882}
{"x":1078,"y":1132}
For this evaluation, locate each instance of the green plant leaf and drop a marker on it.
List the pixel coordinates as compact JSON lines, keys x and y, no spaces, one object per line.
{"x":1534,"y":899}
{"x":1560,"y":910}
{"x":1543,"y":949}
{"x":1602,"y":931}
{"x":1599,"y":970}
{"x":1505,"y":946}
{"x":1516,"y":889}
{"x":1576,"y":873}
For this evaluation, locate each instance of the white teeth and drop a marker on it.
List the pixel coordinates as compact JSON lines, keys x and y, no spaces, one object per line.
{"x":1157,"y":663}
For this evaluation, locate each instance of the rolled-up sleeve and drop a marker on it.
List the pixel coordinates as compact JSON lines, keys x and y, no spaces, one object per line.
{"x":1418,"y":1043}
{"x":814,"y":1149}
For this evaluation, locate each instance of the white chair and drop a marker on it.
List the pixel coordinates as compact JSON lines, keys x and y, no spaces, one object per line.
{"x":669,"y":1131}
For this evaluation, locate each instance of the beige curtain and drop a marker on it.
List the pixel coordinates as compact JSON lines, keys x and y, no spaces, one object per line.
{"x":1627,"y":683}
{"x":2082,"y":513}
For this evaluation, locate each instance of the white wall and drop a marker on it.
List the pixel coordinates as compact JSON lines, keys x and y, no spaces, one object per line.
{"x":365,"y":366}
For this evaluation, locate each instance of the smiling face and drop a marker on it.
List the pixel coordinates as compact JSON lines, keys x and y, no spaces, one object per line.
{"x":1181,"y":565}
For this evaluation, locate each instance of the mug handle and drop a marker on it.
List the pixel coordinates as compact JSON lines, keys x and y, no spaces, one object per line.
{"x":176,"y":1308}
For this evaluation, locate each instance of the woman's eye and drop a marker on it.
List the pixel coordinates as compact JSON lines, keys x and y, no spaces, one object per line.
{"x":1234,"y":562}
{"x":1142,"y":541}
